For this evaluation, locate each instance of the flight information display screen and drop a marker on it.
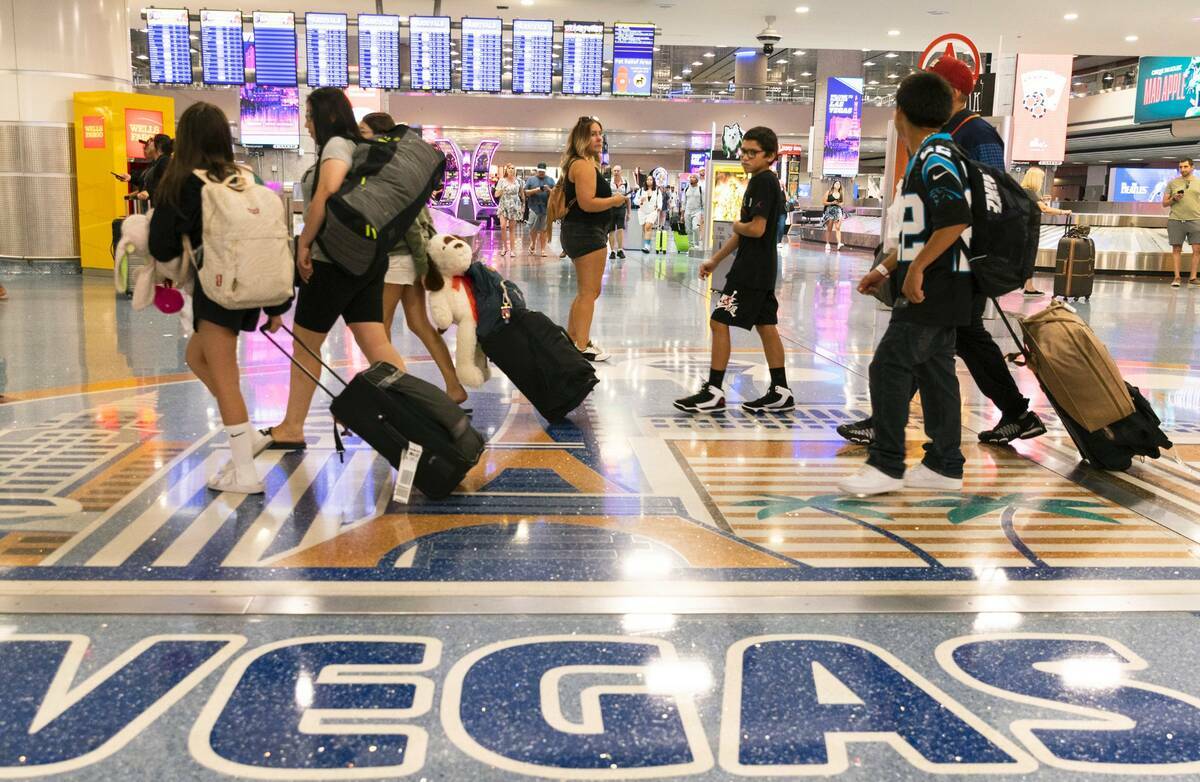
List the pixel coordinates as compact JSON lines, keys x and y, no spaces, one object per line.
{"x":379,"y":51}
{"x":482,"y":54}
{"x":633,"y":59}
{"x":533,"y":49}
{"x":170,"y":47}
{"x":325,"y":50}
{"x":583,"y":58}
{"x":222,"y":50}
{"x":429,"y":47}
{"x":275,"y":48}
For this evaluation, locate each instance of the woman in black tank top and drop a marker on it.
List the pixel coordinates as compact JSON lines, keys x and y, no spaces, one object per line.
{"x":590,"y":202}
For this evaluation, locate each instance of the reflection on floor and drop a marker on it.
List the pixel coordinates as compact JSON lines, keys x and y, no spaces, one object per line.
{"x":591,"y":580}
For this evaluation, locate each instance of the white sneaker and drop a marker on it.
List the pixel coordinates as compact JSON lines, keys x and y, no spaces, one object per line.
{"x":227,"y":480}
{"x":870,"y":481}
{"x":840,"y":245}
{"x":594,"y":352}
{"x":921,"y":477}
{"x":827,"y":247}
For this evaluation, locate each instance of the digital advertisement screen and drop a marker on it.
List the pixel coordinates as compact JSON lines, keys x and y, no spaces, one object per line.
{"x":379,"y":51}
{"x":429,"y":49}
{"x":170,"y":47}
{"x":270,"y":116}
{"x":533,"y":49}
{"x":1040,"y":119}
{"x":482,"y":54}
{"x":275,"y":48}
{"x":1168,"y":88}
{"x":843,"y":126}
{"x":583,"y":58}
{"x":633,"y":59}
{"x":1140,"y":185}
{"x":325,"y":50}
{"x":222,"y":49}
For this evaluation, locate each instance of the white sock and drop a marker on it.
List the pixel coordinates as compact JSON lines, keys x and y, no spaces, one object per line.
{"x":241,"y":445}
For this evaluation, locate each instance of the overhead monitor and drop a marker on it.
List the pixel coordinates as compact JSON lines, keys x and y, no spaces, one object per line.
{"x":633,"y":59}
{"x":170,"y":47}
{"x":270,"y":116}
{"x":379,"y":51}
{"x":222,"y":49}
{"x":533,"y":49}
{"x":1168,"y":88}
{"x":429,"y":52}
{"x":325,"y":50}
{"x":583,"y":58}
{"x":275,"y":48}
{"x":482,"y":54}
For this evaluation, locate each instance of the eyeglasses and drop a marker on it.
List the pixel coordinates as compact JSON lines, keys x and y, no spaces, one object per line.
{"x":751,"y":152}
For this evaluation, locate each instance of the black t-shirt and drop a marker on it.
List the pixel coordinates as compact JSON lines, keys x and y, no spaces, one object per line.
{"x":935,"y":195}
{"x":754,"y":266}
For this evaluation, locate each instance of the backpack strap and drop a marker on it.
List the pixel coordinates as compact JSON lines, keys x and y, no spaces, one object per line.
{"x":962,"y":124}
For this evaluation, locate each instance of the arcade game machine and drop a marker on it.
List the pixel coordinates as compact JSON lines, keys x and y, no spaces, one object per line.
{"x":482,"y":186}
{"x":446,"y":199}
{"x":726,"y":185}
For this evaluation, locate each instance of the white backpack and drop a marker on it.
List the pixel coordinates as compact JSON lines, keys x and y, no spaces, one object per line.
{"x":247,"y":248}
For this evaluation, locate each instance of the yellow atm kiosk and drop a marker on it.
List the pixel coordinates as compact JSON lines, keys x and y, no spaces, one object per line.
{"x":109,"y":130}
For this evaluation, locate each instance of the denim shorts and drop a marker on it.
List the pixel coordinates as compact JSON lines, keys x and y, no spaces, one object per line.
{"x":579,"y":239}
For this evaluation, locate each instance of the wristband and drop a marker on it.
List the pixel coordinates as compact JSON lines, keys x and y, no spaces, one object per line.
{"x":883,"y":270}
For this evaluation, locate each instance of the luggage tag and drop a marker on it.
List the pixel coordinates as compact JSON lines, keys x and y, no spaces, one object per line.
{"x":406,"y":472}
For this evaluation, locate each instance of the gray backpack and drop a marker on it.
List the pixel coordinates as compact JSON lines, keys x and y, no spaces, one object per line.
{"x":390,"y":180}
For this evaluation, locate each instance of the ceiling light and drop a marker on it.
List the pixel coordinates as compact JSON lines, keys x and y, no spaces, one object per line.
{"x":1071,"y":17}
{"x":559,"y":46}
{"x":807,"y":73}
{"x":872,"y":82}
{"x":194,"y":37}
{"x":801,"y":9}
{"x":1136,"y":158}
{"x":798,"y":53}
{"x":686,"y":71}
{"x":142,"y":57}
{"x":697,"y":64}
{"x":526,"y":2}
{"x":891,"y":55}
{"x":791,"y":81}
{"x":709,"y":55}
{"x":677,"y":78}
{"x":1131,"y":38}
{"x":868,"y":64}
{"x":893,"y":33}
{"x":893,"y":76}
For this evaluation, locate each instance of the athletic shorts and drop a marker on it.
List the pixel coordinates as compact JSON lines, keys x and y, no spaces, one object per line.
{"x":745,"y":309}
{"x":332,"y":293}
{"x":579,"y":239}
{"x":1181,"y":232}
{"x":619,"y":217}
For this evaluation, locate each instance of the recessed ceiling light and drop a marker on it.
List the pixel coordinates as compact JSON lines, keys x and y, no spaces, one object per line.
{"x":801,"y":9}
{"x":526,"y":2}
{"x":697,"y":63}
{"x":891,"y":55}
{"x":791,"y":81}
{"x":1131,"y":39}
{"x":710,"y":54}
{"x":893,"y":33}
{"x":868,"y":64}
{"x":893,"y":76}
{"x":807,"y":73}
{"x":142,"y":57}
{"x":1136,"y":158}
{"x":872,"y":82}
{"x":1071,"y":17}
{"x":798,"y":53}
{"x":677,"y":78}
{"x":686,"y":71}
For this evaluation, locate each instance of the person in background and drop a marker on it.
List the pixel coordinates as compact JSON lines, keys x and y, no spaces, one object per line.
{"x":748,"y":300}
{"x":649,"y":203}
{"x":3,"y":293}
{"x":788,"y":206}
{"x":590,"y":201}
{"x":157,"y":151}
{"x":327,"y":292}
{"x":407,"y":263}
{"x":537,"y":196}
{"x":620,"y":215}
{"x":508,"y":196}
{"x":970,"y":131}
{"x":1033,"y":182}
{"x":1183,"y":225}
{"x":834,"y":213}
{"x":205,"y":144}
{"x":693,"y":210}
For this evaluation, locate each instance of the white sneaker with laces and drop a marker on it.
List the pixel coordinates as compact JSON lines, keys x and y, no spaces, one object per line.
{"x":594,"y":352}
{"x":921,"y":477}
{"x":870,"y":481}
{"x":228,"y":480}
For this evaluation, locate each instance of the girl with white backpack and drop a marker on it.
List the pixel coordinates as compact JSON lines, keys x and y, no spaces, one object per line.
{"x":204,"y":159}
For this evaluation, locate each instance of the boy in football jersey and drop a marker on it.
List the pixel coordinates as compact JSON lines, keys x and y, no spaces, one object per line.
{"x":931,"y":279}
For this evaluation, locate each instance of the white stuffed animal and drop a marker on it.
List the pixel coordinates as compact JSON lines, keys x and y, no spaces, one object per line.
{"x":135,"y":242}
{"x":452,"y":301}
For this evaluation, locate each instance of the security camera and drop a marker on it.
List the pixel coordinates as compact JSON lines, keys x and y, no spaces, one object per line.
{"x":769,"y":37}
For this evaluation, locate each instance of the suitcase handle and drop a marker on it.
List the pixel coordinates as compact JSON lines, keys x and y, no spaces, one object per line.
{"x":1020,"y":354}
{"x":263,"y":330}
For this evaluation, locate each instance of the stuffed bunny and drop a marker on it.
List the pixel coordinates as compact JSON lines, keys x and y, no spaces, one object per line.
{"x":452,"y":301}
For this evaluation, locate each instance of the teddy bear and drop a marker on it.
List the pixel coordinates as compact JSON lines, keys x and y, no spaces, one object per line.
{"x":452,"y":301}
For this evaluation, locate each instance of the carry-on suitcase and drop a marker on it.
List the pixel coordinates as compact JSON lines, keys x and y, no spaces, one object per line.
{"x":389,"y":409}
{"x":1075,"y":265}
{"x":682,"y":243}
{"x":661,"y":240}
{"x":539,"y":358}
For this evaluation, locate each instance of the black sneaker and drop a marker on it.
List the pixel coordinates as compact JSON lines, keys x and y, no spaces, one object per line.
{"x":778,"y":400}
{"x":710,"y":400}
{"x":1033,"y":294}
{"x":621,"y":254}
{"x":612,"y":255}
{"x":1026,"y":427}
{"x":859,"y":432}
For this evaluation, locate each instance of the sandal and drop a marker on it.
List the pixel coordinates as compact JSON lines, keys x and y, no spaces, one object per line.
{"x":271,"y":444}
{"x":1175,"y":283}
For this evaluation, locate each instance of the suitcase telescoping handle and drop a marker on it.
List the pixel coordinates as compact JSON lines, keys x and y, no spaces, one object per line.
{"x":301,"y":367}
{"x":1020,"y":344}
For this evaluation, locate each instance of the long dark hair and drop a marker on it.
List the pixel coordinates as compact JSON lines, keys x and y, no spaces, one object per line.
{"x":332,"y":116}
{"x":650,"y":183}
{"x":379,"y":122}
{"x":202,"y":141}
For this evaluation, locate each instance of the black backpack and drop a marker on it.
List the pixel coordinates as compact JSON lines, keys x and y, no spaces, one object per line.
{"x":1006,"y":227}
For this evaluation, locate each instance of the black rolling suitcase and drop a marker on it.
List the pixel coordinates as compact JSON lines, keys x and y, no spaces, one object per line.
{"x":538,"y":357}
{"x":1075,"y":264}
{"x":389,"y":409}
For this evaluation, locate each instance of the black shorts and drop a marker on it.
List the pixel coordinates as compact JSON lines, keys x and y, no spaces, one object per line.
{"x":204,"y":308}
{"x":332,"y":293}
{"x":578,"y":239}
{"x":619,"y":217}
{"x":745,"y":309}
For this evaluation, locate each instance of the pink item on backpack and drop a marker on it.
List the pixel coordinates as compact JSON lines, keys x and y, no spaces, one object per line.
{"x":168,"y":300}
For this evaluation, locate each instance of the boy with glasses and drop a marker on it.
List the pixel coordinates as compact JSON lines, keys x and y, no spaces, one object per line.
{"x":748,"y":300}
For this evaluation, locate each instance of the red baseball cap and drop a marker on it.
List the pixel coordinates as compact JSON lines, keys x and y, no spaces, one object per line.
{"x":956,"y":72}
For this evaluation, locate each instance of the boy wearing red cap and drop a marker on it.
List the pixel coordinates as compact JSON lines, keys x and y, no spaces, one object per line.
{"x":974,"y":134}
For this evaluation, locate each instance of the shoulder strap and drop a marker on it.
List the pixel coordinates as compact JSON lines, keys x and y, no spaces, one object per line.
{"x":960,"y":126}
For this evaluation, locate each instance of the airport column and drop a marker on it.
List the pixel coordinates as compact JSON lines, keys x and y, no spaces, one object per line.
{"x":750,"y":75}
{"x":830,"y":64}
{"x":49,"y":50}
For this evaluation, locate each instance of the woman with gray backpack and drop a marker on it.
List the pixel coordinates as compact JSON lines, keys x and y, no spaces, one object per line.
{"x":200,"y":181}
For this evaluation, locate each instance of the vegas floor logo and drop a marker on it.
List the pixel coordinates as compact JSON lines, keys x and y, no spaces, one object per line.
{"x":595,"y":707}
